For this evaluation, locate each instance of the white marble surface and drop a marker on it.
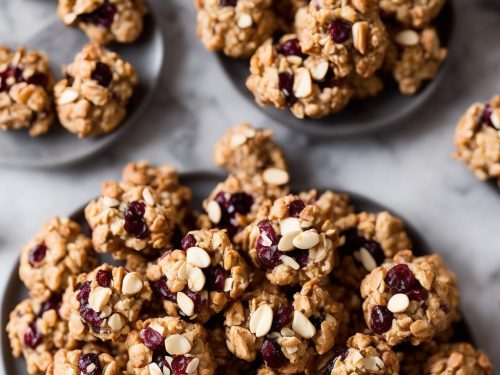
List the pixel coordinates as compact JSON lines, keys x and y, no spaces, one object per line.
{"x":408,"y":168}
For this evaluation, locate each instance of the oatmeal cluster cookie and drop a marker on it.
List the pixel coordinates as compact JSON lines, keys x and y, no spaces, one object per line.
{"x":415,"y":13}
{"x":477,"y":139}
{"x":236,"y":27}
{"x":410,"y":298}
{"x":26,"y":82}
{"x":291,"y":242}
{"x":60,"y":250}
{"x":104,"y":303}
{"x":200,"y":279}
{"x":36,"y":330}
{"x":169,"y":345}
{"x":91,"y":100}
{"x":459,"y":358}
{"x":333,"y":206}
{"x":287,"y":332}
{"x":86,"y":361}
{"x":105,"y":21}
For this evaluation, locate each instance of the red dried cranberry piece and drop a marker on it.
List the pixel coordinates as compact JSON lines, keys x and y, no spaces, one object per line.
{"x":179,"y":364}
{"x":32,"y":337}
{"x":215,"y":277}
{"x":228,"y":3}
{"x":83,"y":294}
{"x":102,"y":16}
{"x":376,"y":251}
{"x":400,"y":278}
{"x":290,"y":48}
{"x":198,"y":299}
{"x":188,"y":241}
{"x":104,"y":278}
{"x":339,"y":31}
{"x":152,"y":339}
{"x":240,"y":203}
{"x":135,"y":224}
{"x":272,"y":354}
{"x":88,"y":364}
{"x":285,"y":84}
{"x":38,"y":79}
{"x":328,"y":80}
{"x":162,"y":290}
{"x":381,"y":319}
{"x":300,"y":256}
{"x":37,"y":254}
{"x":92,"y":317}
{"x":53,"y":303}
{"x":295,"y":208}
{"x":230,"y":205}
{"x":352,"y":242}
{"x":417,"y":293}
{"x":267,"y":245}
{"x":102,"y":74}
{"x":282,"y":317}
{"x":486,"y":115}
{"x":10,"y":72}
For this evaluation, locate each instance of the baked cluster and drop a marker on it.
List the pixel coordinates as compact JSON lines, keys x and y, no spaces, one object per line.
{"x":314,"y":57}
{"x":263,"y":280}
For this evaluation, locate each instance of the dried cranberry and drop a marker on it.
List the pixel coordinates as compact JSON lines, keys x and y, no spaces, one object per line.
{"x":53,"y":303}
{"x":352,"y":242}
{"x":300,"y":256}
{"x":445,"y":308}
{"x":188,"y":241}
{"x":135,"y":224}
{"x":92,"y":317}
{"x":381,"y":319}
{"x":339,"y":31}
{"x":285,"y":83}
{"x":267,"y":245}
{"x":215,"y":277}
{"x":290,"y":48}
{"x":83,"y":294}
{"x":338,"y":352}
{"x":32,"y":337}
{"x":230,"y":205}
{"x":486,"y":116}
{"x":198,"y":299}
{"x":328,"y":80}
{"x":240,"y":203}
{"x":38,"y":79}
{"x":104,"y":278}
{"x":295,"y":208}
{"x":10,"y":72}
{"x":161,"y":289}
{"x":88,"y":364}
{"x":376,"y":251}
{"x":102,"y":16}
{"x":228,"y":3}
{"x":151,"y":338}
{"x":282,"y":317}
{"x":37,"y":254}
{"x":417,"y":293}
{"x":102,"y":74}
{"x":179,"y":364}
{"x":272,"y":354}
{"x":400,"y":278}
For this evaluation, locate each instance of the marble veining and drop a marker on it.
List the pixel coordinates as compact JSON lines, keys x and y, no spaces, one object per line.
{"x":408,"y":167}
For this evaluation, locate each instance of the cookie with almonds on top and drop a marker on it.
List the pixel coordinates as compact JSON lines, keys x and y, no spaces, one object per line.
{"x":90,"y":360}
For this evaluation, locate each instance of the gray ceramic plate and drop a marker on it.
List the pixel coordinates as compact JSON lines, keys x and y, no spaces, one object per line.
{"x":361,"y":116}
{"x":202,"y":183}
{"x":60,"y":147}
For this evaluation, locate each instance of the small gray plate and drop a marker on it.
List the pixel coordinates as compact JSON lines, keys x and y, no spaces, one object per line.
{"x":361,"y":116}
{"x":201,"y":183}
{"x":59,"y":147}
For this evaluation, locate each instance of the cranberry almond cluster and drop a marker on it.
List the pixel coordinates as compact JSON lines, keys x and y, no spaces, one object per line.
{"x":262,"y":281}
{"x":90,"y":100}
{"x":328,"y":52}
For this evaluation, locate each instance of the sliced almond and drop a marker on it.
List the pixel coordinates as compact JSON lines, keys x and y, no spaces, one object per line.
{"x":290,"y":224}
{"x":286,"y":242}
{"x":177,"y":345}
{"x":407,"y":38}
{"x":287,"y":332}
{"x":185,"y":303}
{"x":370,"y":364}
{"x":132,"y":284}
{"x":158,"y":328}
{"x":238,"y":140}
{"x":495,"y":119}
{"x":182,"y":272}
{"x":360,"y":36}
{"x":67,"y":96}
{"x":261,"y":320}
{"x":106,"y":311}
{"x":302,"y":85}
{"x":398,"y":303}
{"x":166,"y":371}
{"x":302,"y":326}
{"x":193,"y":366}
{"x":367,"y":259}
{"x":196,"y":279}
{"x":214,"y":212}
{"x":290,"y":262}
{"x":319,"y":72}
{"x":198,"y":257}
{"x":276,"y":176}
{"x":115,"y":322}
{"x":306,"y":240}
{"x":245,"y":21}
{"x":99,"y":298}
{"x":154,"y":369}
{"x":228,"y":284}
{"x":148,"y":197}
{"x":110,"y":202}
